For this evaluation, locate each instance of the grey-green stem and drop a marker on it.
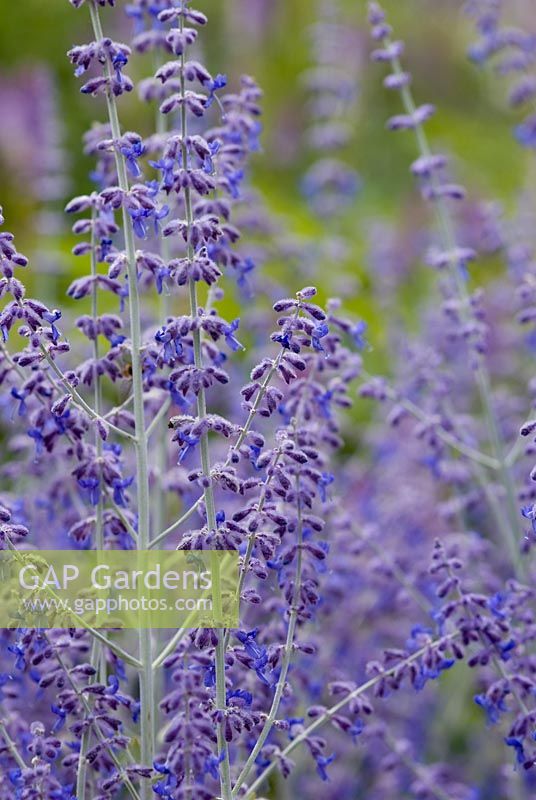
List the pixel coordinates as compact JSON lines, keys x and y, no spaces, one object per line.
{"x":331,"y":712}
{"x":96,"y":660}
{"x":286,"y":660}
{"x":147,"y":744}
{"x":225,"y":768}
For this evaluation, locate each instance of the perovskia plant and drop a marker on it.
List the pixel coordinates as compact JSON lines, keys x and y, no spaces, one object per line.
{"x":133,"y":426}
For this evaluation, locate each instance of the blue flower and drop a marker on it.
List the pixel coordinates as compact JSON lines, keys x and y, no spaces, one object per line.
{"x":62,"y":716}
{"x":132,"y":153}
{"x":164,"y":787}
{"x":188,"y":443}
{"x":177,"y":397}
{"x":326,"y":479}
{"x":517,"y":744}
{"x":496,"y":604}
{"x":157,"y":216}
{"x":165,"y":166}
{"x":119,"y":487}
{"x":123,"y":294}
{"x":284,"y":340}
{"x":413,"y":643}
{"x":20,"y":653}
{"x":257,"y":653}
{"x":52,"y":317}
{"x":505,"y":648}
{"x":231,"y":341}
{"x":529,"y":512}
{"x":431,"y":673}
{"x":212,"y":764}
{"x":119,"y":61}
{"x":356,"y":729}
{"x":234,"y":179}
{"x":116,"y":339}
{"x":210,"y":676}
{"x":219,"y":82}
{"x":141,"y":216}
{"x":493,"y":709}
{"x":21,"y":397}
{"x":323,"y":402}
{"x":136,"y":13}
{"x":37,"y":436}
{"x":105,"y":248}
{"x":92,"y":487}
{"x":243,"y":269}
{"x":208,"y":164}
{"x":138,"y":215}
{"x":172,"y":346}
{"x":14,"y":776}
{"x":161,"y":275}
{"x":526,"y":132}
{"x":113,"y":447}
{"x":321,"y":763}
{"x":319,"y":332}
{"x":135,"y":710}
{"x":254,"y":137}
{"x":247,"y":697}
{"x":254,"y":453}
{"x":433,"y":462}
{"x":292,"y":722}
{"x":358,"y":335}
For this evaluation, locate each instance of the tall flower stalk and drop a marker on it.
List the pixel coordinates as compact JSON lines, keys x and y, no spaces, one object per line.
{"x":428,"y":168}
{"x":147,"y":700}
{"x":210,"y":506}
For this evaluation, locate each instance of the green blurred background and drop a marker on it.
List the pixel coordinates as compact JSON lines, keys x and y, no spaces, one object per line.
{"x":270,"y":39}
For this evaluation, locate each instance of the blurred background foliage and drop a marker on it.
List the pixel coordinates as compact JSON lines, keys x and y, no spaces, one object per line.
{"x":270,"y":39}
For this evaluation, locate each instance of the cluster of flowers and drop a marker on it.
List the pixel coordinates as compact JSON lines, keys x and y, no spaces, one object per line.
{"x":360,"y":580}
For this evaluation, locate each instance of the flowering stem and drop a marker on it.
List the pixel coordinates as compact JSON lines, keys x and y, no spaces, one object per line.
{"x":417,"y":769}
{"x":482,"y":376}
{"x":334,"y":710}
{"x":453,"y":441}
{"x":169,"y":647}
{"x":178,"y":522}
{"x":133,"y":532}
{"x":81,"y":772}
{"x":252,"y":537}
{"x":119,"y":408}
{"x":79,"y":400}
{"x":99,"y":535}
{"x":241,"y":437}
{"x":80,"y":622}
{"x":146,"y":678}
{"x":287,"y":656}
{"x":225,"y":769}
{"x":11,"y":746}
{"x":101,"y":737}
{"x":96,"y":660}
{"x":251,"y":542}
{"x":398,"y":573}
{"x":162,"y":446}
{"x":127,"y":657}
{"x":494,"y":502}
